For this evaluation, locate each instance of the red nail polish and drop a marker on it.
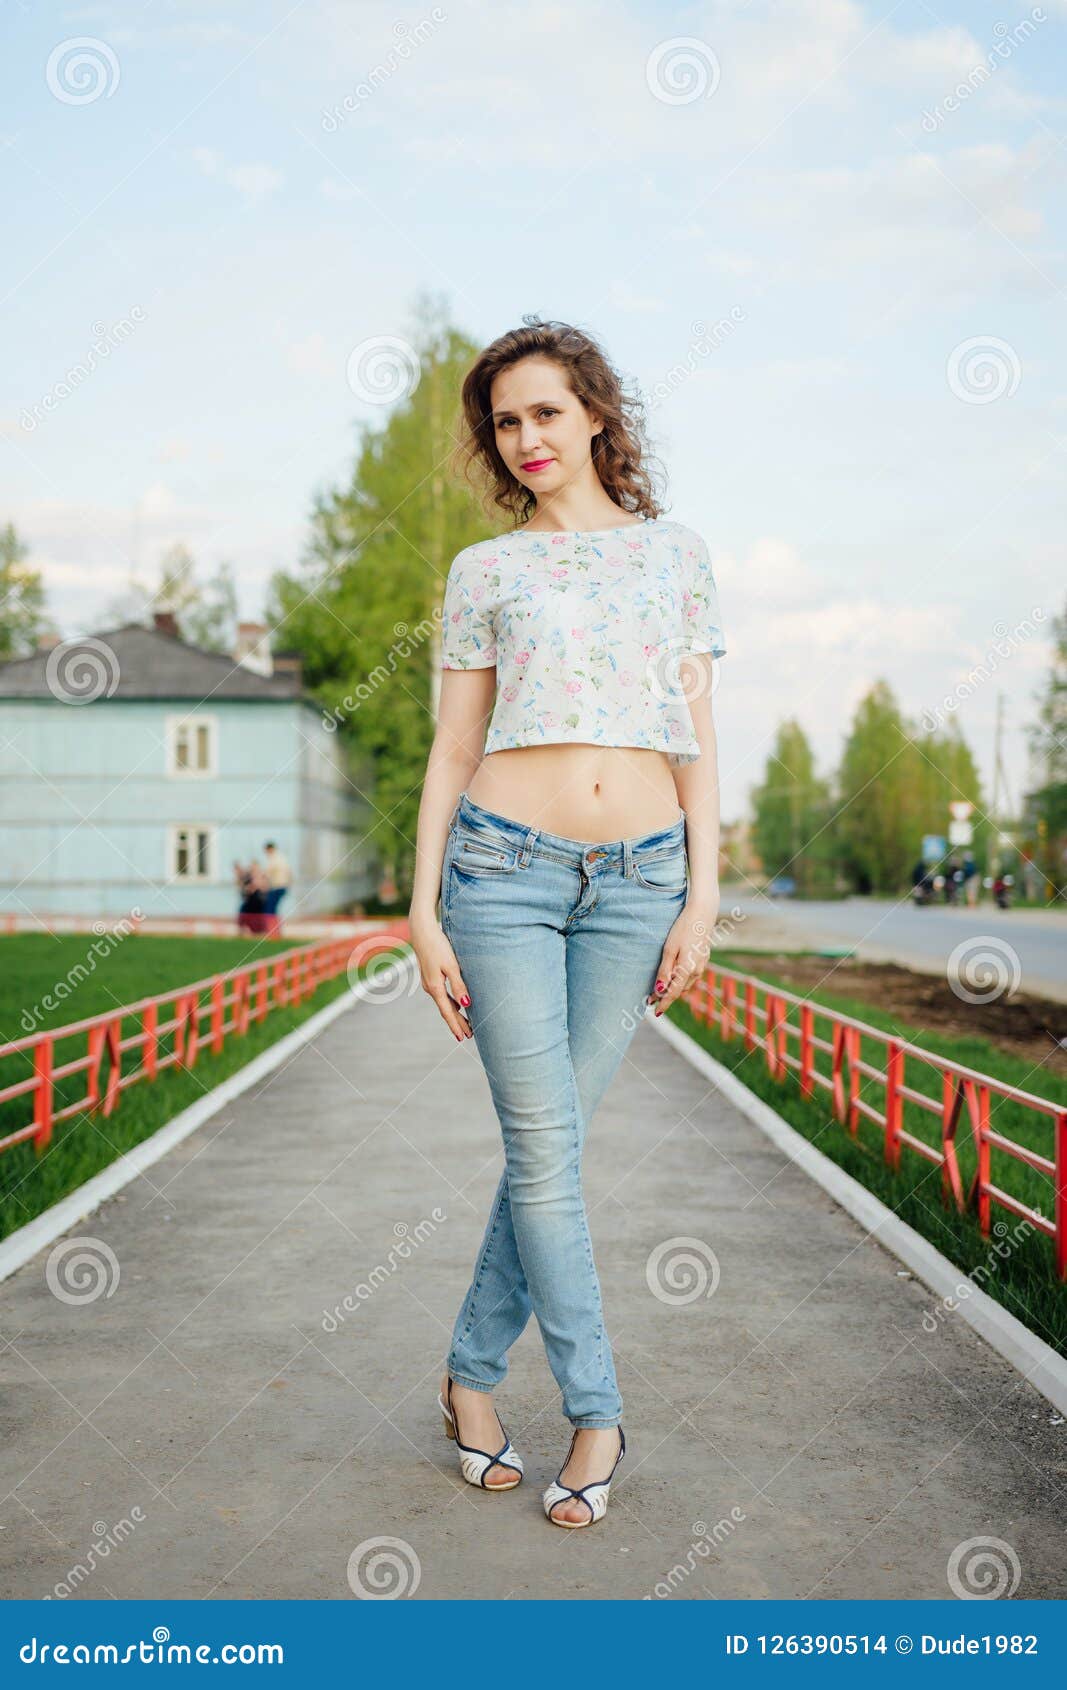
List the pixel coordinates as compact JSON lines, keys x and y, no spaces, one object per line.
{"x":465,"y":1002}
{"x":659,"y":985}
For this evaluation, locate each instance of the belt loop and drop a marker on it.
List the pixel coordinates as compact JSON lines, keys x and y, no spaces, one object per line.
{"x":527,"y":847}
{"x":627,"y":860}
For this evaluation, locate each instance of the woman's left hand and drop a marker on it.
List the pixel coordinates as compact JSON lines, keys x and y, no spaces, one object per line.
{"x":685,"y":954}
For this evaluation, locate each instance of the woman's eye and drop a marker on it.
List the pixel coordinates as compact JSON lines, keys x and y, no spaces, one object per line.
{"x":545,"y":411}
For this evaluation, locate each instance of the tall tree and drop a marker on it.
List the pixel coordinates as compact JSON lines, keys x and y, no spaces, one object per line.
{"x":791,"y":810}
{"x":22,"y":613}
{"x":205,"y":610}
{"x":363,"y":607}
{"x":876,"y":785}
{"x":944,"y":771}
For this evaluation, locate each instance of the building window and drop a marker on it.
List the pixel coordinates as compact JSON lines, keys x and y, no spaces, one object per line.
{"x":192,"y":745}
{"x":191,"y":852}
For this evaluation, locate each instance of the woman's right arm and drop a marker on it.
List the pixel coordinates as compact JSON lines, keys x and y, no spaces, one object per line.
{"x":465,"y":704}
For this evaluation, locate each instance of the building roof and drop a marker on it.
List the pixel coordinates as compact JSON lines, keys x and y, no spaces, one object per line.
{"x":139,"y":662}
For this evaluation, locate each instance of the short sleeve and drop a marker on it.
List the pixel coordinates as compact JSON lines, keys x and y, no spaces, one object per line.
{"x":702,"y":619}
{"x":468,"y":634}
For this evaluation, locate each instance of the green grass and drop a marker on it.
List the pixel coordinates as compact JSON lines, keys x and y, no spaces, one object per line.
{"x":1017,"y":1270}
{"x":139,"y":966}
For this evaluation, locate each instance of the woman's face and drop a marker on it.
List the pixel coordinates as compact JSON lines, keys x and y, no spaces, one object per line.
{"x":542,"y":429}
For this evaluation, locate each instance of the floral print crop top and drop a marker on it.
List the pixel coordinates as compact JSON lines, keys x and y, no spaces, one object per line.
{"x":585,"y":630}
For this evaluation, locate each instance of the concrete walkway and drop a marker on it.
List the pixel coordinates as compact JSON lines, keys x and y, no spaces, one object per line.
{"x":212,"y":1429}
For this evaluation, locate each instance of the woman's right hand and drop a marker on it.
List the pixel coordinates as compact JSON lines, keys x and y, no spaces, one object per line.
{"x":437,"y":964}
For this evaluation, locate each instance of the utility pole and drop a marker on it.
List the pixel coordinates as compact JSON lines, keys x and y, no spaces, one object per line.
{"x":1001,"y":791}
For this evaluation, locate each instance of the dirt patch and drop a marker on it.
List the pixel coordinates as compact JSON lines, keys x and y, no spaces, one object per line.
{"x":1031,"y":1027}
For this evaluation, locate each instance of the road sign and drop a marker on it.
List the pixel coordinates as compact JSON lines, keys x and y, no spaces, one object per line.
{"x":960,"y":808}
{"x":960,"y":833}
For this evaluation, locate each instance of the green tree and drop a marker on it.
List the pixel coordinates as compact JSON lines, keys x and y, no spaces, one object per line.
{"x":205,"y":610}
{"x":791,"y":811}
{"x":944,"y":770}
{"x":22,"y":613}
{"x":363,"y":609}
{"x":876,"y":786}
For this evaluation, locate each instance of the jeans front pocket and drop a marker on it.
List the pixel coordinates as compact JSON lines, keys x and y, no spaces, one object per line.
{"x":475,"y":854}
{"x":663,"y":872}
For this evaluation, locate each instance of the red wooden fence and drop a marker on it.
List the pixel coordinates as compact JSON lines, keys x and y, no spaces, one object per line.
{"x":740,"y":1003}
{"x":204,"y":1013}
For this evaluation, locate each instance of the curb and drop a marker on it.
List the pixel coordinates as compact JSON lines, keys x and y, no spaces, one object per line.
{"x":19,"y":1247}
{"x":1043,"y":1367}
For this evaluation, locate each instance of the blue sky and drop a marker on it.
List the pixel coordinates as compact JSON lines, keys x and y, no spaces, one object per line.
{"x":871,"y":441}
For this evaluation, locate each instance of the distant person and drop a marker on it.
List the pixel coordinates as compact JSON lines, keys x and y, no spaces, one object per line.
{"x":252,"y":887}
{"x":971,"y":880}
{"x":279,"y":878}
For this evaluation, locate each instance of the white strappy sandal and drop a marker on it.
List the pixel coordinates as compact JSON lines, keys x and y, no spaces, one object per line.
{"x":595,"y":1496}
{"x":475,"y":1463}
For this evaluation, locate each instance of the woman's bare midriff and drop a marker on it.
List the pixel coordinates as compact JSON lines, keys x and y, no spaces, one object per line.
{"x":595,"y":793}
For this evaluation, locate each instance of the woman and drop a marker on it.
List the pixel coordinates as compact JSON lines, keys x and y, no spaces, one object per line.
{"x":559,"y":850}
{"x":252,"y":891}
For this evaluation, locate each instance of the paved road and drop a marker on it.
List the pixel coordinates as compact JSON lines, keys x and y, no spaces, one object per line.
{"x":799,"y":1422}
{"x":887,"y":931}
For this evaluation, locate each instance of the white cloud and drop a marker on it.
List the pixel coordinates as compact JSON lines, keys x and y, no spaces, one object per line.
{"x":253,"y":181}
{"x":175,"y":451}
{"x":313,"y":356}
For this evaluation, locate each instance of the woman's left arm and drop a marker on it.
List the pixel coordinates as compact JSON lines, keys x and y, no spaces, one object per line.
{"x":685,"y":954}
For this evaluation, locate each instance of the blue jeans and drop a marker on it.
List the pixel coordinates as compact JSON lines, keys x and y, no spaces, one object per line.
{"x":558,"y":941}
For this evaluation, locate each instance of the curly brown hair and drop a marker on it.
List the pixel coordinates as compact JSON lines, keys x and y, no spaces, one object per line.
{"x":619,"y":452}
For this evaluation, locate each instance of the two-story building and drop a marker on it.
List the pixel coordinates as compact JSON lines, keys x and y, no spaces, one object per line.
{"x":136,"y":768}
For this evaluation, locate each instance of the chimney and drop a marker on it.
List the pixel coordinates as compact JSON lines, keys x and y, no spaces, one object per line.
{"x":166,"y":623}
{"x":252,"y":649}
{"x":291,"y":665}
